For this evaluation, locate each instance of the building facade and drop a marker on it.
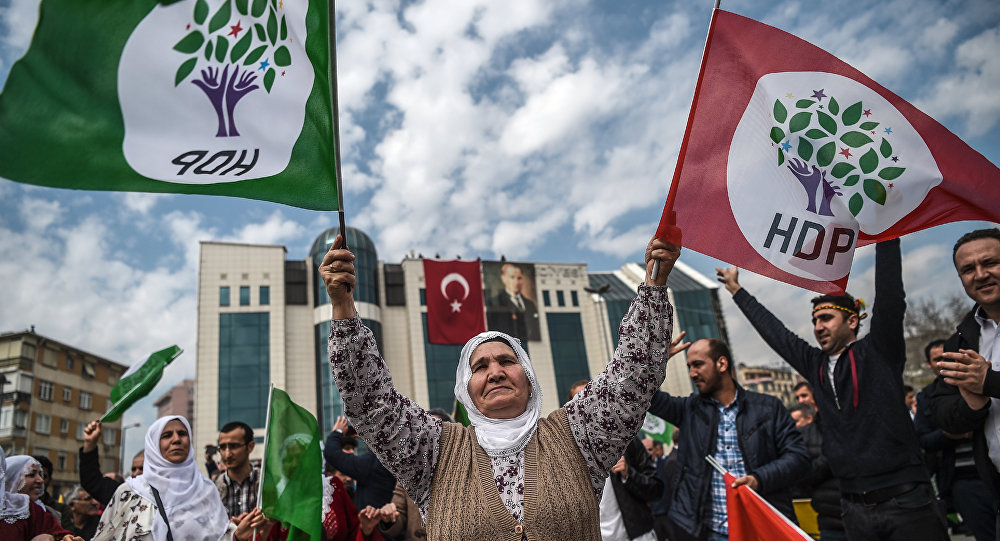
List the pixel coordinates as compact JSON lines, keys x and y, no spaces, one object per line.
{"x":778,"y":381}
{"x":179,"y":400}
{"x":265,"y":319}
{"x":50,"y":392}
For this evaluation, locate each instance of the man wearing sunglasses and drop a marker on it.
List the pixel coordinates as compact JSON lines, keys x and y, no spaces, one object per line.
{"x":238,"y":484}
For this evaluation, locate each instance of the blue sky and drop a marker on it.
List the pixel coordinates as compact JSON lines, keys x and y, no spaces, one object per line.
{"x":543,"y":130}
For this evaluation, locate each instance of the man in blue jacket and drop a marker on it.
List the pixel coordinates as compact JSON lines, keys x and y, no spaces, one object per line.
{"x":750,"y":434}
{"x":868,"y":437}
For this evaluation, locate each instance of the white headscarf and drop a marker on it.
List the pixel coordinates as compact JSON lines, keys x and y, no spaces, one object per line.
{"x":13,"y":507}
{"x":190,"y":500}
{"x":499,"y":436}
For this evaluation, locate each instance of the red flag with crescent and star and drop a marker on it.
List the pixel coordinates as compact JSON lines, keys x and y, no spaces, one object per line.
{"x":455,"y":308}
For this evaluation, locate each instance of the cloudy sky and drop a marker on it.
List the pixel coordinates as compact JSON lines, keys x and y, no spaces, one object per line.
{"x":543,"y":130}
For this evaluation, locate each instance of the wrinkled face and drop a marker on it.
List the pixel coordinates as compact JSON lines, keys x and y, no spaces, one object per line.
{"x":499,"y":388}
{"x":137,"y":464}
{"x":175,"y":442}
{"x":84,"y":504}
{"x":34,"y":482}
{"x":936,"y":354}
{"x":834,"y":329}
{"x":234,"y":448}
{"x":978,"y":266}
{"x":704,"y":372}
{"x":801,"y":419}
{"x":513,"y":279}
{"x":803,"y":394}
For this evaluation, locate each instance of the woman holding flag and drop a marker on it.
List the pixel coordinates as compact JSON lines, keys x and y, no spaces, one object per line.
{"x":171,"y":500}
{"x":504,"y":469}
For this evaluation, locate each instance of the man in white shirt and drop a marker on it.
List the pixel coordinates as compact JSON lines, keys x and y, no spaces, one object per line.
{"x":970,"y":402}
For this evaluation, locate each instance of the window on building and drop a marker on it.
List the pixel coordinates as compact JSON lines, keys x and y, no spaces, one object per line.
{"x":61,"y":462}
{"x":70,"y":363}
{"x":67,"y":394}
{"x":43,"y":423}
{"x":265,"y":295}
{"x":20,"y":418}
{"x":85,"y":400}
{"x":63,"y":426}
{"x":6,"y":417}
{"x":546,"y":298}
{"x":244,"y":367}
{"x":224,"y":296}
{"x":109,"y":435}
{"x":574,"y":298}
{"x":50,"y":358}
{"x":440,"y":361}
{"x":560,"y":298}
{"x":25,"y":383}
{"x":569,"y":353}
{"x":45,"y":389}
{"x":89,"y":370}
{"x":423,"y":297}
{"x":79,"y":430}
{"x":244,"y":295}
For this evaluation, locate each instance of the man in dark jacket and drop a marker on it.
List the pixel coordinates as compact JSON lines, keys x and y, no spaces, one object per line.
{"x":750,"y":434}
{"x":966,"y":400}
{"x":819,"y":484}
{"x":375,"y":483}
{"x":868,"y":436}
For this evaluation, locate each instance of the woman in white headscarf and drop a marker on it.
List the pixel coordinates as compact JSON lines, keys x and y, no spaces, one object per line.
{"x":171,"y":499}
{"x":20,"y":519}
{"x":518,"y":475}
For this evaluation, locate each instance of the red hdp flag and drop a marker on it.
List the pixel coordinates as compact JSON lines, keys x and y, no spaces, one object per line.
{"x":751,"y":518}
{"x":454,"y":301}
{"x":808,"y":158}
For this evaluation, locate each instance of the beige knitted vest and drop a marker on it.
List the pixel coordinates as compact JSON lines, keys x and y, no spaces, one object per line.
{"x":559,"y":500}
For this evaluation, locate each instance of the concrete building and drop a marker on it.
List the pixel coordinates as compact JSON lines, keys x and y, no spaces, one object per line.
{"x":51,"y":391}
{"x":778,"y":381}
{"x":179,"y":400}
{"x":265,"y":319}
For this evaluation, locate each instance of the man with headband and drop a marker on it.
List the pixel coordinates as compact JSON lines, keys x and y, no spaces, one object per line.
{"x":868,"y":437}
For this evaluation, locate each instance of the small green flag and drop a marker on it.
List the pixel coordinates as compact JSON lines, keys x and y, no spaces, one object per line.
{"x":292,"y":489}
{"x":138,"y":381}
{"x":215,"y":97}
{"x":658,"y":429}
{"x":461,"y":416}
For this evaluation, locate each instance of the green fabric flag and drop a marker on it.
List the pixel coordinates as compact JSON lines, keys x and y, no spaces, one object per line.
{"x":215,"y":97}
{"x":292,"y":489}
{"x":138,"y":381}
{"x":658,"y":429}
{"x":461,"y":416}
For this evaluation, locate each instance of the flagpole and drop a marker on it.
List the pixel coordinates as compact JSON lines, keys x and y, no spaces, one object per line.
{"x":263,"y":462}
{"x":335,"y":105}
{"x":715,"y":463}
{"x":669,"y":217}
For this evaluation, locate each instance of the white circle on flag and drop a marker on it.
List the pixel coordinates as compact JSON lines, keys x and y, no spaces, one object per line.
{"x":780,"y":208}
{"x":457,"y":278}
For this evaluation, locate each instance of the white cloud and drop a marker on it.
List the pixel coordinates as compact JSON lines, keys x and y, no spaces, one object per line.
{"x":19,"y":18}
{"x":970,"y":93}
{"x":139,"y":202}
{"x":39,"y":214}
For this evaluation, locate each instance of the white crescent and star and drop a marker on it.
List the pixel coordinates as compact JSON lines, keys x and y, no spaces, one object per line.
{"x":456,"y":306}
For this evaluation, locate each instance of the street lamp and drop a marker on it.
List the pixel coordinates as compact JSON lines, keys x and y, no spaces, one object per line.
{"x":121,"y":452}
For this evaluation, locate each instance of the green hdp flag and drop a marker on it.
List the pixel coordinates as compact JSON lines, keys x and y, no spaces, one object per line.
{"x":138,"y":381}
{"x":292,"y":489}
{"x":216,"y":97}
{"x":658,"y":429}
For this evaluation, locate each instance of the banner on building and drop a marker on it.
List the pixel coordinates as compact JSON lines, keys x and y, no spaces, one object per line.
{"x":454,"y":294}
{"x":512,"y":299}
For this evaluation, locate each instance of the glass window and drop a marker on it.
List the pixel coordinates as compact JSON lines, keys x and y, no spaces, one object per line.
{"x":224,"y":296}
{"x":80,"y":425}
{"x":560,"y":298}
{"x":546,"y":299}
{"x":85,"y":399}
{"x":43,"y":423}
{"x":244,"y":295}
{"x":569,"y":353}
{"x":423,"y":297}
{"x":61,"y":462}
{"x":244,"y":367}
{"x":110,"y":434}
{"x":6,"y":417}
{"x":440,"y":361}
{"x":265,"y":295}
{"x":63,"y":426}
{"x":20,"y":418}
{"x":67,"y":394}
{"x":574,"y":298}
{"x":45,"y":390}
{"x":70,"y":363}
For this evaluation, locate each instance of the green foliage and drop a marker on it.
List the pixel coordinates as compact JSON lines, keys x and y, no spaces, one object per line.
{"x":799,"y":122}
{"x":855,"y":139}
{"x":259,"y":28}
{"x":243,"y":7}
{"x":852,"y":114}
{"x":272,"y":27}
{"x":855,"y":203}
{"x":221,"y":47}
{"x":269,"y":79}
{"x":282,"y":57}
{"x":825,"y":154}
{"x":186,"y":68}
{"x":240,"y":48}
{"x":868,"y":161}
{"x":868,"y":125}
{"x":804,"y":104}
{"x":805,"y":149}
{"x":781,"y":157}
{"x":816,"y":134}
{"x":777,"y":134}
{"x":258,"y":9}
{"x":255,"y":55}
{"x":221,"y":17}
{"x":780,"y":113}
{"x":891,"y":173}
{"x":827,"y":121}
{"x":841,"y":169}
{"x":190,"y":43}
{"x":875,"y":191}
{"x":208,"y":50}
{"x":200,"y":11}
{"x":885,"y":148}
{"x":852,"y":180}
{"x":833,"y":107}
{"x":284,"y":29}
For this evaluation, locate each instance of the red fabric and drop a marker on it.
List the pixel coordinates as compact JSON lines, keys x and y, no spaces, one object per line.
{"x":39,"y":522}
{"x":340,"y":520}
{"x":738,"y":53}
{"x":752,"y":519}
{"x":455,"y":311}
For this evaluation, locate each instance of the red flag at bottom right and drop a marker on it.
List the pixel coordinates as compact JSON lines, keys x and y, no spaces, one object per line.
{"x":751,"y":518}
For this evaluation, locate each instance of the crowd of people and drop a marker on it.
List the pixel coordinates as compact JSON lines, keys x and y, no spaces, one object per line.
{"x":877,"y":460}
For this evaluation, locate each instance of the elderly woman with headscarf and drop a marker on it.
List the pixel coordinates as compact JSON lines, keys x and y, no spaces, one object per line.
{"x":513,"y":474}
{"x":20,"y":518}
{"x":171,"y":499}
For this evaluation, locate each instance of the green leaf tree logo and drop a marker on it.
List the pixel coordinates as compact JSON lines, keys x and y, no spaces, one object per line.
{"x":243,"y":43}
{"x":817,"y":140}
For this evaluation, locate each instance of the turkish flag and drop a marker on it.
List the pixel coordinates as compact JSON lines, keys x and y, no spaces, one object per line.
{"x":751,"y":518}
{"x":455,"y":310}
{"x":808,"y":158}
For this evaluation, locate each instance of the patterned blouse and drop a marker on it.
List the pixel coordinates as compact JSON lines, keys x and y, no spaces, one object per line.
{"x":129,"y":517}
{"x":603,"y":417}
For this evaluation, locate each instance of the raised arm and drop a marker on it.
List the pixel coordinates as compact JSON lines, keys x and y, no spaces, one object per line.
{"x":403,"y":436}
{"x":890,"y":304}
{"x":607,"y":414}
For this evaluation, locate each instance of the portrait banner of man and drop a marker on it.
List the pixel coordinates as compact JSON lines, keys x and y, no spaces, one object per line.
{"x":511,"y":299}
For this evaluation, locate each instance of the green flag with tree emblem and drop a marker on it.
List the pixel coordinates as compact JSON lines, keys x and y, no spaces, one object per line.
{"x":138,"y":381}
